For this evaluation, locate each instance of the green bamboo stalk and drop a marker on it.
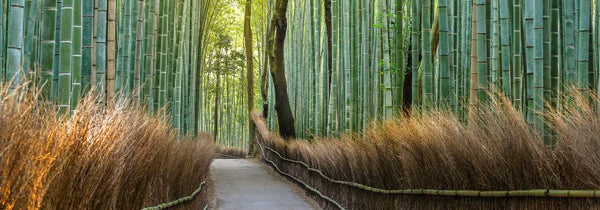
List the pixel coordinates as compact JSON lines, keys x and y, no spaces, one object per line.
{"x":333,"y":124}
{"x":123,"y":39}
{"x":427,"y":65}
{"x":444,"y":53}
{"x":355,"y":62}
{"x":56,"y":65}
{"x":494,"y":44}
{"x":155,"y":57}
{"x":400,"y":53}
{"x":173,"y":53}
{"x":469,"y":31}
{"x":319,"y":71}
{"x":119,"y":69}
{"x":482,"y":48}
{"x":517,"y":56}
{"x":148,"y":66}
{"x":505,"y":37}
{"x":583,"y":60}
{"x":461,"y":57}
{"x":538,"y":59}
{"x":129,"y":53}
{"x":179,"y":75}
{"x":138,"y":50}
{"x":569,"y":35}
{"x":47,"y":32}
{"x":35,"y":66}
{"x":597,"y":56}
{"x":111,"y":53}
{"x":2,"y":46}
{"x":555,"y":63}
{"x":415,"y":42}
{"x":388,"y":107}
{"x":65,"y":56}
{"x":473,"y":76}
{"x":101,"y":48}
{"x":546,"y":49}
{"x":366,"y":61}
{"x":87,"y":42}
{"x":14,"y":47}
{"x":454,"y":45}
{"x":28,"y":64}
{"x":591,"y":66}
{"x":376,"y":65}
{"x":528,"y":15}
{"x":77,"y":54}
{"x":163,"y":39}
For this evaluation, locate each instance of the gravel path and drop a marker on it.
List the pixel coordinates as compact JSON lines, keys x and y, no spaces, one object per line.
{"x":248,"y":184}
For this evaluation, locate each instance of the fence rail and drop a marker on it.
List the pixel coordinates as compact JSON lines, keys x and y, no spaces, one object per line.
{"x":553,"y":193}
{"x":178,"y":201}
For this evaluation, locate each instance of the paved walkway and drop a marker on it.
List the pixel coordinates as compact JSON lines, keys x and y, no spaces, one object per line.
{"x":247,"y":184}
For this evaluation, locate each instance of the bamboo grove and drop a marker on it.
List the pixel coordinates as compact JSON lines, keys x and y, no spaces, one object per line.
{"x":347,"y":63}
{"x":391,"y":55}
{"x":149,"y":50}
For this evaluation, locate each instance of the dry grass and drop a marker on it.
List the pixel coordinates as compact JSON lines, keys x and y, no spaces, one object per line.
{"x":225,"y":152}
{"x":231,"y":152}
{"x":436,"y":151}
{"x":115,"y":159}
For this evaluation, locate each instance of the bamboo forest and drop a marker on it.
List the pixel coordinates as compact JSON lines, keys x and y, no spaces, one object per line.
{"x":357,"y":104}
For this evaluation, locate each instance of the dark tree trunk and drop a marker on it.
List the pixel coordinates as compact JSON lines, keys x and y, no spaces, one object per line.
{"x":264,"y":78}
{"x":327,"y":6}
{"x":217,"y":93}
{"x":276,"y":55}
{"x":407,"y":93}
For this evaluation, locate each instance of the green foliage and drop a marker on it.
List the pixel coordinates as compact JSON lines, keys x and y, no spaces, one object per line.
{"x":387,"y":57}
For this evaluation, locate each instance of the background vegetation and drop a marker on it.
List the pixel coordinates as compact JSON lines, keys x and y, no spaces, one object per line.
{"x":390,"y":56}
{"x":326,"y":69}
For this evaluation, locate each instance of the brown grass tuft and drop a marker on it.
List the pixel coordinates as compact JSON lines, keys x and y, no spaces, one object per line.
{"x":231,"y":152}
{"x":113,"y":159}
{"x":434,"y":150}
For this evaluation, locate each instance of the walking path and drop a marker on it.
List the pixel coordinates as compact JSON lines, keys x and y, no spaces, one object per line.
{"x":248,"y":184}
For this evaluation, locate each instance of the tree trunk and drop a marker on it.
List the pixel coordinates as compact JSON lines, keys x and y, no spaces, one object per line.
{"x":217,"y":93}
{"x":264,"y":87}
{"x":14,"y":45}
{"x":110,"y":53}
{"x":474,"y":106}
{"x":277,"y":63}
{"x":327,"y":6}
{"x":250,"y":69}
{"x":138,"y":50}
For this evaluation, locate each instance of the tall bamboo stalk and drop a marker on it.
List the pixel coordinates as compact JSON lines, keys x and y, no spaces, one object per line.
{"x":65,"y":55}
{"x":427,"y":66}
{"x":101,"y":48}
{"x":77,"y":58}
{"x":14,"y":46}
{"x":47,"y":32}
{"x":87,"y":43}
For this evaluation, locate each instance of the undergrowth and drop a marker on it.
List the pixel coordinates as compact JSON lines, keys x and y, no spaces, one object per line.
{"x":434,"y":150}
{"x":231,"y":152}
{"x":116,"y":158}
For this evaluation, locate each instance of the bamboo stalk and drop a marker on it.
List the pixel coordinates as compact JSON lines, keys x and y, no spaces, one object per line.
{"x":14,"y":46}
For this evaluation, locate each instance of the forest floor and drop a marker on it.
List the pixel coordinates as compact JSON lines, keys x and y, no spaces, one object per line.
{"x":249,"y":184}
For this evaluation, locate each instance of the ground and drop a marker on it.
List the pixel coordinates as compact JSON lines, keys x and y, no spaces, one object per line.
{"x":249,"y":184}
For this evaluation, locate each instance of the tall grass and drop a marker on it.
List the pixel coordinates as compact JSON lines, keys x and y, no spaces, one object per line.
{"x":231,"y":152}
{"x":434,"y":150}
{"x":112,"y":159}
